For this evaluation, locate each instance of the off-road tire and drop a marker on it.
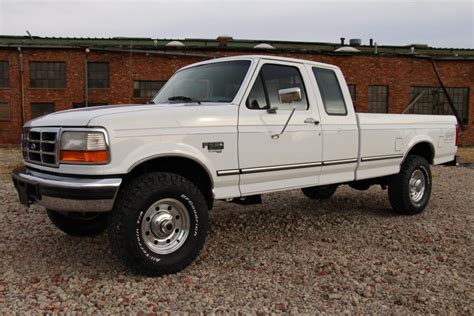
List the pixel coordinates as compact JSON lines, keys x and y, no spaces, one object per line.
{"x":399,"y":186}
{"x":79,"y":224}
{"x":320,"y":192}
{"x":126,"y":220}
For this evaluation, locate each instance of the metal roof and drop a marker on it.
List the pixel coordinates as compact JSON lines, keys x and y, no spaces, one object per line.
{"x":196,"y":44}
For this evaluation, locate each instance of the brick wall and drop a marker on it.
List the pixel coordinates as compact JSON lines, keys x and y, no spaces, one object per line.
{"x":398,"y":73}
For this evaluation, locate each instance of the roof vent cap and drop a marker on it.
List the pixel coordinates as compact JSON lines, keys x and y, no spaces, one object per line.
{"x":175,"y":44}
{"x":347,"y":49}
{"x":263,"y":46}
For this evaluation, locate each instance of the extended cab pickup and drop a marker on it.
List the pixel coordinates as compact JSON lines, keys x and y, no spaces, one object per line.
{"x":225,"y":129}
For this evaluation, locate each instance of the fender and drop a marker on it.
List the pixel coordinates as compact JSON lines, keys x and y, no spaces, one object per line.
{"x":222,"y":187}
{"x":175,"y":154}
{"x":418,"y":139}
{"x":151,"y":151}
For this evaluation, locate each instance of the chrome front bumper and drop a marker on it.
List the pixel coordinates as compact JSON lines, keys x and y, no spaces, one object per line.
{"x":66,"y":194}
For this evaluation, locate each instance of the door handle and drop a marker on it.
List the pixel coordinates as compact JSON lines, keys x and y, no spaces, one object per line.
{"x":311,"y":120}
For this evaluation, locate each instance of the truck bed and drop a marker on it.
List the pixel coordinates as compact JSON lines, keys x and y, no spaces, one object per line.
{"x":385,"y":138}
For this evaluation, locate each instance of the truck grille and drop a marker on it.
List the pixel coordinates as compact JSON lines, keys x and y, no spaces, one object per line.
{"x":40,"y":146}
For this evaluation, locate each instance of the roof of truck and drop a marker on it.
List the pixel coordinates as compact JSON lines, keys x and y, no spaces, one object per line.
{"x":258,"y":57}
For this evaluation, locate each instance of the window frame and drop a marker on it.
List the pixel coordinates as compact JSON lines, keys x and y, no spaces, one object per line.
{"x":163,"y":82}
{"x":265,"y":90}
{"x":446,"y":102}
{"x":41,"y":103}
{"x":9,"y":112}
{"x":47,"y":80}
{"x":346,"y":113}
{"x":386,"y":97}
{"x":6,"y":64}
{"x":89,"y":72}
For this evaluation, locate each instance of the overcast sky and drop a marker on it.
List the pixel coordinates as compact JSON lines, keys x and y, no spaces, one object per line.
{"x":438,"y":23}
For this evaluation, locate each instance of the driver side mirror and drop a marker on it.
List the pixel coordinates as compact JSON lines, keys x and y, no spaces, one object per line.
{"x":289,"y":95}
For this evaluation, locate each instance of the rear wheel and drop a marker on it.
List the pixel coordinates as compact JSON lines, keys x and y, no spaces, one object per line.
{"x":79,"y":224}
{"x":409,"y":191}
{"x":159,"y":224}
{"x":321,"y":192}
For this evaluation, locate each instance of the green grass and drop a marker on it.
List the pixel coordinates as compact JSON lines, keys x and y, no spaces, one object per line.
{"x":466,"y":154}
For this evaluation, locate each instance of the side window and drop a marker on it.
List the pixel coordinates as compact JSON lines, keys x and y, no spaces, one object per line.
{"x":330,"y":90}
{"x":257,"y":99}
{"x":271,"y":79}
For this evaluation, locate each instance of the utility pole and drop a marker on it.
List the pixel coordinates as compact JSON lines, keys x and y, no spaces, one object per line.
{"x":86,"y":80}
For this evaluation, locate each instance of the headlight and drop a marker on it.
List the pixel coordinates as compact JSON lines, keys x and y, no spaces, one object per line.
{"x":84,"y":147}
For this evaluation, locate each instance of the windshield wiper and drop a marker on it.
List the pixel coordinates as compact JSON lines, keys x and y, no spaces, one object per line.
{"x":184,"y":99}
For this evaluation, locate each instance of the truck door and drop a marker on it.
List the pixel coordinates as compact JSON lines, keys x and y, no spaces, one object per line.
{"x":269,"y":161}
{"x":339,"y":125}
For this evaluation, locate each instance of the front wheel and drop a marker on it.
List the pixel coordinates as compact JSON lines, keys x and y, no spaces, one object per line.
{"x":159,"y":224}
{"x":79,"y":224}
{"x":409,"y":191}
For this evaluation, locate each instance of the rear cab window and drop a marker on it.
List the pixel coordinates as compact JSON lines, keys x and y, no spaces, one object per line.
{"x":330,"y":89}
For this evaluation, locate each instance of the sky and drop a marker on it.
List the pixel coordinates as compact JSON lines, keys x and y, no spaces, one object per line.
{"x":438,"y":23}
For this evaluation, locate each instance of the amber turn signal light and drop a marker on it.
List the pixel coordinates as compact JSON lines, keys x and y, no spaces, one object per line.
{"x":96,"y":156}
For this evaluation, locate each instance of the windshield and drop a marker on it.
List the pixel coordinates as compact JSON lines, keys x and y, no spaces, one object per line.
{"x":217,"y":82}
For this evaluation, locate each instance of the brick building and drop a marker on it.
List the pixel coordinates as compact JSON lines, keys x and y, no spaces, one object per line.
{"x":41,"y":75}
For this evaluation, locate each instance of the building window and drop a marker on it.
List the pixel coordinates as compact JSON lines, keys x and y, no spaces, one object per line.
{"x":40,"y":109}
{"x":4,"y":75}
{"x":4,"y":111}
{"x":98,"y":74}
{"x":83,"y":104}
{"x":378,"y":99}
{"x":352,"y":91}
{"x":434,"y":101}
{"x":147,"y":89}
{"x":47,"y":74}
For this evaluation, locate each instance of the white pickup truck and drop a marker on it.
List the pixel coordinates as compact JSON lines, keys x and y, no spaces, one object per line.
{"x":225,"y":129}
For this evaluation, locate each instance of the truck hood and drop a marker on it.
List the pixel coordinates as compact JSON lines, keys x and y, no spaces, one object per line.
{"x":83,"y":116}
{"x":142,"y":120}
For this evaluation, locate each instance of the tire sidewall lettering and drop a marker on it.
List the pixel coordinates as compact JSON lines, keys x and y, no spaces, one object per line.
{"x":150,"y":255}
{"x":194,"y":213}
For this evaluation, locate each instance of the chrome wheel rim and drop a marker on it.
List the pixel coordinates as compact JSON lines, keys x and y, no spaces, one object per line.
{"x":165,"y":226}
{"x":417,"y":186}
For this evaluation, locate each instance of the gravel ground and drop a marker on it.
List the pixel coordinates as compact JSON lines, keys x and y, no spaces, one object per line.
{"x":350,"y":254}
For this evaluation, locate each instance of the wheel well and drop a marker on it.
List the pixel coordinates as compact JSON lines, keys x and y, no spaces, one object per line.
{"x":424,"y":150}
{"x":185,"y":167}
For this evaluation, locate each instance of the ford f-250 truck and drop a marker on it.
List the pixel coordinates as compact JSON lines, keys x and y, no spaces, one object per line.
{"x":225,"y":129}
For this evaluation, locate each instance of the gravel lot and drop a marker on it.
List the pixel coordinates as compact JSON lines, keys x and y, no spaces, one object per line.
{"x":349,"y":254}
